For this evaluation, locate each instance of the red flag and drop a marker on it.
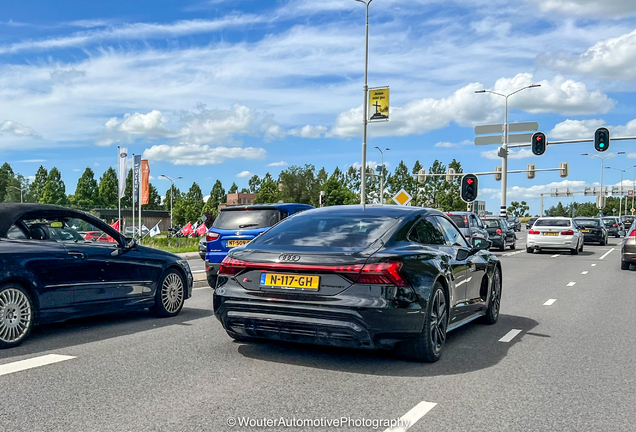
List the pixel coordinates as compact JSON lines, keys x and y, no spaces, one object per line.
{"x":115,"y":225}
{"x":187,"y":230}
{"x":201,"y":230}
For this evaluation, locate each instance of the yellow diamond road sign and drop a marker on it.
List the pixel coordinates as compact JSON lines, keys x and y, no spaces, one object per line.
{"x":402,"y":198}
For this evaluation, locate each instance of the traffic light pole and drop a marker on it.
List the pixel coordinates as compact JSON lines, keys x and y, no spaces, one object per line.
{"x":572,"y":141}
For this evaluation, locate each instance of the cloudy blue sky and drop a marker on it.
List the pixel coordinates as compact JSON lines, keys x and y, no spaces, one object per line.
{"x":225,"y":89}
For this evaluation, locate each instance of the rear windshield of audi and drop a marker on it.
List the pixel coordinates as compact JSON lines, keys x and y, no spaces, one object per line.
{"x":551,"y":223}
{"x":246,"y":219}
{"x":460,"y":221}
{"x":327,"y":231}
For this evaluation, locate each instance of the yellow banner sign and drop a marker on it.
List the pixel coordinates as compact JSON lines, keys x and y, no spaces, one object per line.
{"x":379,"y":104}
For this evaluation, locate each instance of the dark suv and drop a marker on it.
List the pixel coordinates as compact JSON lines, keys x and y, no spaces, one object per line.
{"x":237,"y":226}
{"x":500,"y":233}
{"x":514,"y":223}
{"x":470,"y":225}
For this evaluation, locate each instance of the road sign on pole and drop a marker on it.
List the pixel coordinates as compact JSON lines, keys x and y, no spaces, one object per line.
{"x":512,"y":127}
{"x":520,"y":138}
{"x":489,"y":139}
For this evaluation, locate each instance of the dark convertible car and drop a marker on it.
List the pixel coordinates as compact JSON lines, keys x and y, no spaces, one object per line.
{"x":383,"y":277}
{"x":50,"y":272}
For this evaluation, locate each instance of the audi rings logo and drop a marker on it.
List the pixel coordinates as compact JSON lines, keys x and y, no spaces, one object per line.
{"x":289,"y":258}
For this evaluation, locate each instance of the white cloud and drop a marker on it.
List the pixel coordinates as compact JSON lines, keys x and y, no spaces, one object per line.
{"x":610,"y":59}
{"x":446,"y":144}
{"x":592,"y":8}
{"x":466,"y":108}
{"x":244,"y":174}
{"x":18,"y":129}
{"x":512,"y":154}
{"x":278,"y":164}
{"x":308,"y":131}
{"x":370,"y":164}
{"x":32,"y":160}
{"x":96,"y":164}
{"x":525,"y":193}
{"x":199,"y":155}
{"x":631,"y":155}
{"x":152,"y":124}
{"x":584,"y":129}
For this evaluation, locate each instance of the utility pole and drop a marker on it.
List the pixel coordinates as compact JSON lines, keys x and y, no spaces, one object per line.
{"x":504,"y":157}
{"x":365,"y":121}
{"x":382,"y":174}
{"x":172,"y":180}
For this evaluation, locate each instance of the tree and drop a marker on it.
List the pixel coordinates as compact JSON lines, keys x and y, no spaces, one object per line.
{"x":418,"y":196}
{"x":86,"y":193}
{"x":233,"y":188}
{"x":217,"y":197}
{"x":299,"y":184}
{"x":193,"y":203}
{"x":245,"y":191}
{"x":336,"y":193}
{"x":559,"y":210}
{"x":6,"y":179}
{"x":154,"y":199}
{"x":518,"y":209}
{"x":17,"y":189}
{"x":450,"y":199}
{"x":126,"y":200}
{"x":179,"y":210}
{"x":54,"y":191}
{"x":108,"y":189}
{"x":35,"y":192}
{"x":268,"y":192}
{"x":434,"y":186}
{"x":400,"y":179}
{"x":254,"y":183}
{"x":352,"y":180}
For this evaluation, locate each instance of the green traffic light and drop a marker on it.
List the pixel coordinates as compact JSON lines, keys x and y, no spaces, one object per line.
{"x":602,"y":145}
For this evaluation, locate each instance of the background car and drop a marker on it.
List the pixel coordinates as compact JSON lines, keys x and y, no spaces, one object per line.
{"x":386,"y":277}
{"x":469,"y":225}
{"x":237,"y":226}
{"x":51,"y":273}
{"x":613,"y":226}
{"x":627,"y":221}
{"x":554,"y":233}
{"x":531,"y":222}
{"x":499,"y":233}
{"x":628,"y":249}
{"x":593,"y":230}
{"x":130,"y":230}
{"x":202,"y":247}
{"x":514,"y":223}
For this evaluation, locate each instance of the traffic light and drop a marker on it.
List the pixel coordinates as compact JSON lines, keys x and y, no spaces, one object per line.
{"x":469,"y":188}
{"x":323,"y":198}
{"x":498,"y":171}
{"x":531,"y":171}
{"x":421,"y":176}
{"x":564,"y":169}
{"x":601,"y":139}
{"x":539,"y":143}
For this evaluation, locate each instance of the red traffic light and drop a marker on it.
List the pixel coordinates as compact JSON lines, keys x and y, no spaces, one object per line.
{"x":469,"y":181}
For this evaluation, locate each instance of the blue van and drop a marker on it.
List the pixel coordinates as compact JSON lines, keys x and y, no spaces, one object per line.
{"x":237,"y":226}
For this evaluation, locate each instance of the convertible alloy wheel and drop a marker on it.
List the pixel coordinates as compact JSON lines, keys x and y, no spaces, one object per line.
{"x":16,"y":316}
{"x":170,"y":295}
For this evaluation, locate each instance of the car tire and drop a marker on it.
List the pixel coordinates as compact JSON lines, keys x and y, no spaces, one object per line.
{"x":212,"y":281}
{"x":603,"y":242}
{"x":502,"y":248}
{"x":428,"y":346}
{"x":529,"y":250}
{"x":16,"y":315}
{"x":513,"y":246}
{"x":494,"y":303}
{"x":624,"y":265}
{"x":574,"y":251}
{"x":170,"y":294}
{"x":582,"y":245}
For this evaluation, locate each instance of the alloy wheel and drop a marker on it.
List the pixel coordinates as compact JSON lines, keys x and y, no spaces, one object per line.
{"x":495,"y":295}
{"x":15,"y":315}
{"x":439,"y":321}
{"x":172,"y":292}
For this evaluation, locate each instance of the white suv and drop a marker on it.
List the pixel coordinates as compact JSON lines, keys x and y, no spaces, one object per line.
{"x":554,"y":233}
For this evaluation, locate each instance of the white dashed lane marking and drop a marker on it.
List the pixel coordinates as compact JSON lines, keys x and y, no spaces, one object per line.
{"x":32,"y":363}
{"x":555,"y":256}
{"x":593,"y":265}
{"x":584,"y":272}
{"x":549,"y":302}
{"x":571,"y":284}
{"x":411,"y":417}
{"x":607,"y":253}
{"x":510,"y":335}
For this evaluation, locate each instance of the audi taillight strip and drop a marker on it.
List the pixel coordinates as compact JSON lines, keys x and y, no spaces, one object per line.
{"x":376,"y":273}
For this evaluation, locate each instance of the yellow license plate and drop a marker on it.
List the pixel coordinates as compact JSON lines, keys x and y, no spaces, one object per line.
{"x":585,"y":230}
{"x":550,"y":234}
{"x":235,"y":243}
{"x":290,"y":281}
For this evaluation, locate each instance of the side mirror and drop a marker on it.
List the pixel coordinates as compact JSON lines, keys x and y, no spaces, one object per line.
{"x":481,"y":244}
{"x":463,"y":254}
{"x":130,"y":243}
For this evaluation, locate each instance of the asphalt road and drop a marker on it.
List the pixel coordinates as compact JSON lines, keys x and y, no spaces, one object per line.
{"x":569,"y":365}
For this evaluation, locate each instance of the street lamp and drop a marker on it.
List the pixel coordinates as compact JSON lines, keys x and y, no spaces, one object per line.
{"x":620,"y":205}
{"x":363,"y":183}
{"x":21,"y":191}
{"x":172,"y":180}
{"x":602,"y":158}
{"x":382,"y":174}
{"x":504,"y":164}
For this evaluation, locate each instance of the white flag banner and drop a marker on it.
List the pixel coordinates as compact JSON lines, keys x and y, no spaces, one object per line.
{"x":155,"y":230}
{"x":123,"y":170}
